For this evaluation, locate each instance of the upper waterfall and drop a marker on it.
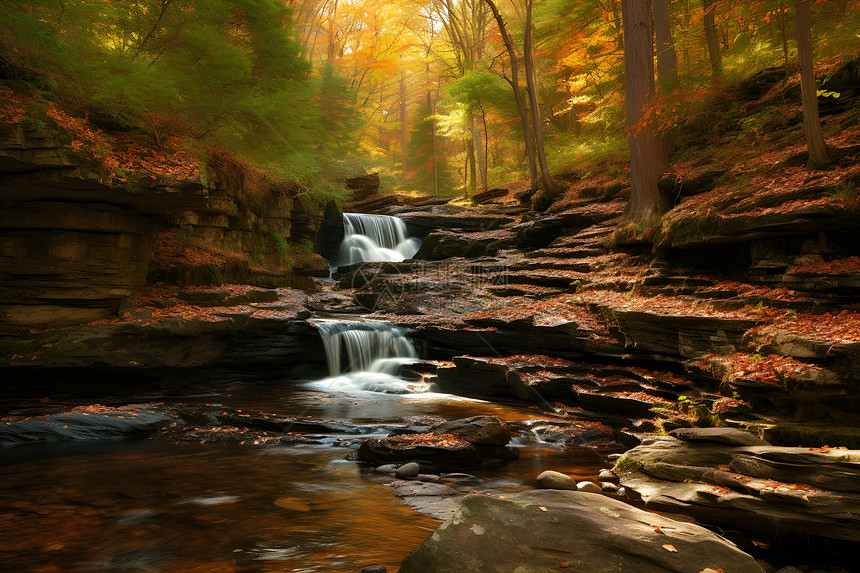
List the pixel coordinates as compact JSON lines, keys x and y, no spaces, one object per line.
{"x":370,"y":238}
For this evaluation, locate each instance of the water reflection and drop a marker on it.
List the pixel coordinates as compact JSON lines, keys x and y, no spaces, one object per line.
{"x":154,"y":506}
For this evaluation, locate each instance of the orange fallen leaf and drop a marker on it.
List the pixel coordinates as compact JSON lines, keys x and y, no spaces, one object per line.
{"x":542,"y":508}
{"x":658,"y":529}
{"x":670,"y":548}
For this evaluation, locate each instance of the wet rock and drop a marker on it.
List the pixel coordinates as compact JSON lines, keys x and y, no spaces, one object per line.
{"x":408,"y":471}
{"x":732,"y":436}
{"x":374,"y":569}
{"x":388,"y":469}
{"x":531,"y":531}
{"x":608,"y":487}
{"x":83,"y":423}
{"x":607,"y":476}
{"x":588,"y":487}
{"x":766,"y":567}
{"x":438,"y":500}
{"x":550,"y":479}
{"x":813,"y":491}
{"x":614,"y":402}
{"x":427,"y":450}
{"x":479,"y":430}
{"x":790,"y":569}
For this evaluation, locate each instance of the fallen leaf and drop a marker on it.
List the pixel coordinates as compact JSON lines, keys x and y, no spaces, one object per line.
{"x":670,"y":548}
{"x":542,"y":508}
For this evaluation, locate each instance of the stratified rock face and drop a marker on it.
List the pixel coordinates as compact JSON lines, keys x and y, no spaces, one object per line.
{"x":75,"y":241}
{"x":720,"y":475}
{"x":552,"y":530}
{"x":66,"y":263}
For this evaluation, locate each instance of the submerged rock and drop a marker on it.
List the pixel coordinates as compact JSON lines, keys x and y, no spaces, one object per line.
{"x":83,"y":423}
{"x":544,"y":531}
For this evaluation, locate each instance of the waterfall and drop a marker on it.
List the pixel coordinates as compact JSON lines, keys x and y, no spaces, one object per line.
{"x":370,"y":238}
{"x":374,"y":351}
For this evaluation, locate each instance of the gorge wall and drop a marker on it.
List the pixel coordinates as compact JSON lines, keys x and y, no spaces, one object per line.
{"x":76,"y":240}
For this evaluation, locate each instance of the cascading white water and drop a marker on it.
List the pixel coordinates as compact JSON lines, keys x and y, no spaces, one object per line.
{"x":372,"y":238}
{"x":374,"y":351}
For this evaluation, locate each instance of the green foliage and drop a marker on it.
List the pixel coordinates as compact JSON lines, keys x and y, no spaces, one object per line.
{"x":280,"y":244}
{"x":430,"y":168}
{"x":220,"y":71}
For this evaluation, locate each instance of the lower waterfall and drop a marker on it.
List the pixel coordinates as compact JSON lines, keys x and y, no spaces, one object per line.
{"x":374,"y":351}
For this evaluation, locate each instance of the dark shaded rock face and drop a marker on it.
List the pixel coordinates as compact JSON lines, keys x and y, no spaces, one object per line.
{"x":550,"y":530}
{"x":196,"y":328}
{"x":66,"y":262}
{"x":74,"y":243}
{"x":363,"y":186}
{"x":721,"y":475}
{"x":331,"y":232}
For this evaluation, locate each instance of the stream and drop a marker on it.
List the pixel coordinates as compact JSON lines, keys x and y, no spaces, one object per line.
{"x":156,"y":505}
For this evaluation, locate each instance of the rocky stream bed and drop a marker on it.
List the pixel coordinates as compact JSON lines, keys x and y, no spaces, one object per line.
{"x":710,"y":370}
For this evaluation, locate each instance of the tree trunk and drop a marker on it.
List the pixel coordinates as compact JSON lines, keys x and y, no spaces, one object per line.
{"x":667,"y":63}
{"x":486,"y":178}
{"x":433,"y":153}
{"x":713,"y":42}
{"x":528,"y":140}
{"x":784,"y":41}
{"x":537,"y":124}
{"x":818,"y":154}
{"x":404,"y":131}
{"x":479,"y":153}
{"x":646,"y":159}
{"x":470,"y":159}
{"x":667,"y":58}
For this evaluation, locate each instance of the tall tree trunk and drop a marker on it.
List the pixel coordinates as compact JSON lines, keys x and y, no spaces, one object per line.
{"x":713,"y":42}
{"x":486,"y":178}
{"x":818,"y":154}
{"x":667,"y":64}
{"x":646,"y":159}
{"x":470,"y":159}
{"x":514,"y":81}
{"x":479,"y":153}
{"x":433,"y":153}
{"x":784,"y":40}
{"x":404,"y":131}
{"x":667,"y":58}
{"x":332,"y":34}
{"x":537,"y":124}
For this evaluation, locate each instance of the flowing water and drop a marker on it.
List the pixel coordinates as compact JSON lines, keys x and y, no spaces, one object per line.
{"x":375,"y":238}
{"x":374,"y":352}
{"x":162,"y":506}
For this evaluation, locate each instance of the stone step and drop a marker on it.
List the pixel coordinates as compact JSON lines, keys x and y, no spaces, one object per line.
{"x":569,"y":252}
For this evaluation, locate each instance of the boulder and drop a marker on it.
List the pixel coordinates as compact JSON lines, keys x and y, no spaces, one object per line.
{"x":550,"y":530}
{"x":550,"y":479}
{"x":408,"y":471}
{"x":433,"y":451}
{"x":479,"y":430}
{"x":588,"y":487}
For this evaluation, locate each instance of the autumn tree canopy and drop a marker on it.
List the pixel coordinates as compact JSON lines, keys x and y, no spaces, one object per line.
{"x":503,"y":90}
